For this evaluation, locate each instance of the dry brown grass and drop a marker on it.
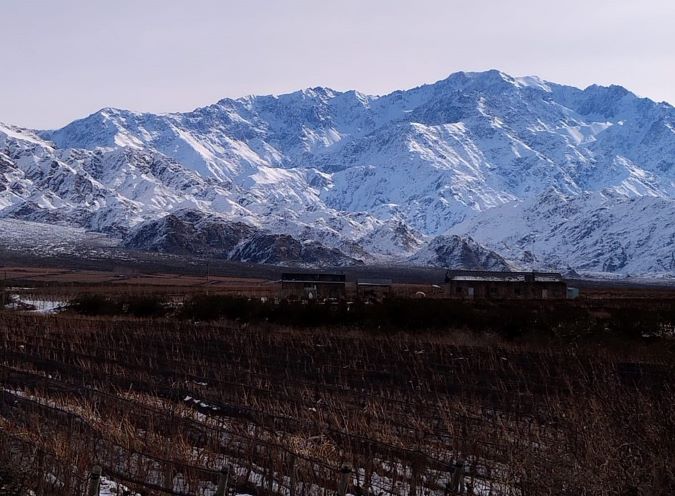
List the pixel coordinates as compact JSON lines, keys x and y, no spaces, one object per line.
{"x":287,"y":407}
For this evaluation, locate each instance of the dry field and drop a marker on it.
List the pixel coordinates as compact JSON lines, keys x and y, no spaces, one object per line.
{"x":396,"y":401}
{"x":165,"y":405}
{"x":51,"y":281}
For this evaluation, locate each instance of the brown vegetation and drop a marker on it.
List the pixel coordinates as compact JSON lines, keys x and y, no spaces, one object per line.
{"x":163,"y":405}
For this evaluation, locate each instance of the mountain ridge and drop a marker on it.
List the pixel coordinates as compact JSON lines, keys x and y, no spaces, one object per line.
{"x":376,"y":178}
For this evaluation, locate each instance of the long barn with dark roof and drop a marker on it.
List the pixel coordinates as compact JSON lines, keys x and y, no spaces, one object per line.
{"x":505,"y":285}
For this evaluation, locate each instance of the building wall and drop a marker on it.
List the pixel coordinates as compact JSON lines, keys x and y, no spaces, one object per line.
{"x":507,"y":289}
{"x":318,"y":290}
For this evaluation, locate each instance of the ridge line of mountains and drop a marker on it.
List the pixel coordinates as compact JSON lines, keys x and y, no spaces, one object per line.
{"x":479,"y":170}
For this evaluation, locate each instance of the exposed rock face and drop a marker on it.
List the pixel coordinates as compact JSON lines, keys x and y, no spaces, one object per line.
{"x":189,"y":232}
{"x":282,"y":249}
{"x":459,"y":253}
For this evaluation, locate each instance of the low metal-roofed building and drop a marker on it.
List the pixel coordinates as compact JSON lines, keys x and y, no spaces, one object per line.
{"x":312,"y":286}
{"x":504,"y":285}
{"x":373,"y":289}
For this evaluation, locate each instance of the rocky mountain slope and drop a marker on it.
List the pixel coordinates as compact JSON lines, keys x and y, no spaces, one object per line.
{"x":548,"y":176}
{"x":457,"y":251}
{"x":190,"y":232}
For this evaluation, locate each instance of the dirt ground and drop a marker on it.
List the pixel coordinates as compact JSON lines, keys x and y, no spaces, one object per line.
{"x":70,"y":280}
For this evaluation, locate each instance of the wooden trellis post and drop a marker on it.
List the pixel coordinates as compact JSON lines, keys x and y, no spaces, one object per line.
{"x":223,"y":481}
{"x":94,"y":481}
{"x":412,"y":489}
{"x":168,"y":477}
{"x":344,"y":479}
{"x":292,"y":472}
{"x":42,"y":471}
{"x":457,"y":484}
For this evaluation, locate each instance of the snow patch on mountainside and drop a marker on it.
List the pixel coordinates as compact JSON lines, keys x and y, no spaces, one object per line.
{"x":44,"y":239}
{"x":593,"y":233}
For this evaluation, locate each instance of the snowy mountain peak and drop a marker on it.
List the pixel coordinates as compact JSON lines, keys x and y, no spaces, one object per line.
{"x":532,"y":82}
{"x":481,"y":154}
{"x":489,"y":81}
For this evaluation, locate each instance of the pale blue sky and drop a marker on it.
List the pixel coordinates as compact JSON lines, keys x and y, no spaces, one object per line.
{"x":64,"y":59}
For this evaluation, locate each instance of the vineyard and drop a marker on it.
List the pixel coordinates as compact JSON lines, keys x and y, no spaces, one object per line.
{"x":179,"y":407}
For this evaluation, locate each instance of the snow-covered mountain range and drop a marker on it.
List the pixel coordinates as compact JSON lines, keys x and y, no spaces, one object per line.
{"x":541,"y":174}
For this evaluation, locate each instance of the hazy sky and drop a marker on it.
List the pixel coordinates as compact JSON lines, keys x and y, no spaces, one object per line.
{"x":64,"y":59}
